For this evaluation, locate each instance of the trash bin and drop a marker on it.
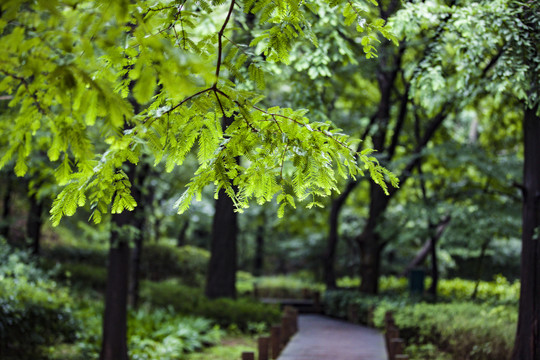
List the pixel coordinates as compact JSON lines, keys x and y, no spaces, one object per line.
{"x":416,"y":282}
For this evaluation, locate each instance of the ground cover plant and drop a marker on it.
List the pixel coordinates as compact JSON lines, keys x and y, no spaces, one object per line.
{"x":35,"y":312}
{"x":175,"y":319}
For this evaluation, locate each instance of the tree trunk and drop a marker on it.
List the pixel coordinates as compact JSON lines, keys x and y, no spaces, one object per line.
{"x":6,"y":202}
{"x":221,"y":280}
{"x":329,"y":259}
{"x":369,"y":241}
{"x":527,"y":344}
{"x":434,"y":268}
{"x":370,"y":256}
{"x":181,"y":240}
{"x":420,"y":257}
{"x":114,"y":345}
{"x":136,"y":267}
{"x":34,"y":223}
{"x":258,"y":262}
{"x":480,"y":267}
{"x":138,"y":219}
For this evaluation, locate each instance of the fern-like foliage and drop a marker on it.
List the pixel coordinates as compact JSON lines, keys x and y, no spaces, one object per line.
{"x":106,"y":81}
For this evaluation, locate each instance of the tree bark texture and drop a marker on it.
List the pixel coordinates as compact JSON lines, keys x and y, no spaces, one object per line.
{"x":221,"y":280}
{"x":34,"y":224}
{"x":369,"y":241}
{"x":181,"y":239}
{"x":138,"y":219}
{"x":434,"y":268}
{"x":6,"y":202}
{"x":114,"y":345}
{"x":527,"y":344}
{"x":258,"y":262}
{"x":329,"y":259}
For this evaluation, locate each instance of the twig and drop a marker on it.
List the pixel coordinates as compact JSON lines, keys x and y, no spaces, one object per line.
{"x":26,"y":86}
{"x":220,"y":40}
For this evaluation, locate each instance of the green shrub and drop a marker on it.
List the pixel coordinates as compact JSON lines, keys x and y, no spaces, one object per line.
{"x":84,"y":275}
{"x":462,"y":330}
{"x":87,"y":266}
{"x":71,"y":254}
{"x":499,"y":290}
{"x":162,"y":334}
{"x":34,"y":312}
{"x":242,"y":313}
{"x":189,"y":263}
{"x":225,"y":312}
{"x":336,"y":303}
{"x":278,"y":286}
{"x":171,"y":292}
{"x":153,"y":334}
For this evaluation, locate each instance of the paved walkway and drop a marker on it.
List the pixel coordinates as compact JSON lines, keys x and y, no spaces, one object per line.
{"x":323,"y":338}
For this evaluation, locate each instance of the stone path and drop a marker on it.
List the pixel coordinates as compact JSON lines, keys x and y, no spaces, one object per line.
{"x":323,"y":338}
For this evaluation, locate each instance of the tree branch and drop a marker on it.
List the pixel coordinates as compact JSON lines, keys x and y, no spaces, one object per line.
{"x":220,"y":40}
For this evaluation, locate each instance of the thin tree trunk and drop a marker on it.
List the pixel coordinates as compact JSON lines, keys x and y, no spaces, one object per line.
{"x":480,"y":268}
{"x":527,"y":344}
{"x":6,"y":202}
{"x":34,"y":224}
{"x":434,"y":268}
{"x":221,"y":280}
{"x":420,"y":257}
{"x":181,"y":239}
{"x":138,"y":219}
{"x":329,"y":258}
{"x":369,"y":242}
{"x":114,"y":345}
{"x":258,"y":262}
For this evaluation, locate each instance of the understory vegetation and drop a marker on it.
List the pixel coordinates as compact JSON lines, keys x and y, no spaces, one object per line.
{"x":471,"y":319}
{"x":52,"y":308}
{"x":462,"y":324}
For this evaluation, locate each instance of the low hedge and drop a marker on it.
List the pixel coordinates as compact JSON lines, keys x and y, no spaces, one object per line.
{"x":158,"y":262}
{"x":458,"y":330}
{"x":241,"y":313}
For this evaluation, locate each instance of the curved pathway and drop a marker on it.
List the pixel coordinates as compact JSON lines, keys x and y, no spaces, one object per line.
{"x":323,"y":338}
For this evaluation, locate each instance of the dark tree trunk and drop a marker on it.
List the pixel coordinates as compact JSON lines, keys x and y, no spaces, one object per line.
{"x":420,"y":257}
{"x":329,"y":259}
{"x":221,"y":280}
{"x":480,"y":268}
{"x":157,"y":231}
{"x":434,"y":268}
{"x":138,"y":219}
{"x":369,"y":241}
{"x":6,"y":202}
{"x":114,"y":346}
{"x":258,"y":263}
{"x":136,"y":267}
{"x":370,"y":256}
{"x":181,"y":240}
{"x":527,"y":344}
{"x":34,"y":223}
